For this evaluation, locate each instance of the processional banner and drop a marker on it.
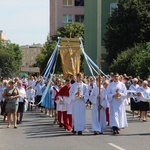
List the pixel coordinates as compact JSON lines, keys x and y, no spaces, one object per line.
{"x":70,"y":60}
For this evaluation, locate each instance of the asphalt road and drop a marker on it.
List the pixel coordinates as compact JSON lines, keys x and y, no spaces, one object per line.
{"x":37,"y":132}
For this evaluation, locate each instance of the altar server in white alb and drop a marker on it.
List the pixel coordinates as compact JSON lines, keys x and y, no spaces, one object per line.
{"x":98,"y":98}
{"x":79,"y":95}
{"x":117,"y":94}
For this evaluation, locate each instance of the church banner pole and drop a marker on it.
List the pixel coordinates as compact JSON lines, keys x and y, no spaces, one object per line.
{"x":99,"y":99}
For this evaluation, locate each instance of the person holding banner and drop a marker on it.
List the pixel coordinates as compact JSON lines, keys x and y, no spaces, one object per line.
{"x":117,"y":94}
{"x":98,"y":98}
{"x":79,"y":95}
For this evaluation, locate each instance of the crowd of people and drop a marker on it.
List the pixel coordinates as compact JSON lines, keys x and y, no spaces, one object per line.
{"x":66,"y":100}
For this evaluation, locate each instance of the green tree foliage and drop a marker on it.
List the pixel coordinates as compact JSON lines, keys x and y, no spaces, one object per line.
{"x":128,"y":25}
{"x":43,"y":57}
{"x":134,"y":61}
{"x":73,"y":30}
{"x":10,"y":58}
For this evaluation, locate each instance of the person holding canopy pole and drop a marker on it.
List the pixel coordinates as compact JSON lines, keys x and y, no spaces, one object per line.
{"x":98,"y":98}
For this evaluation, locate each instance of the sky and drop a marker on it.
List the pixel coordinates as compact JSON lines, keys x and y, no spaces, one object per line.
{"x":25,"y":22}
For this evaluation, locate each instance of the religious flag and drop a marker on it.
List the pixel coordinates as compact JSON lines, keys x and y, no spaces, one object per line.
{"x":70,"y":60}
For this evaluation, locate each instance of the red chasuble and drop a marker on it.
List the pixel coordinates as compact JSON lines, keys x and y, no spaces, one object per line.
{"x":64,"y":91}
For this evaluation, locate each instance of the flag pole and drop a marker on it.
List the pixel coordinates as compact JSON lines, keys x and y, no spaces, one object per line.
{"x":99,"y":99}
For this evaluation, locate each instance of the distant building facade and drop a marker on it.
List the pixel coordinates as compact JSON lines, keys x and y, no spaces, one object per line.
{"x":30,"y":53}
{"x":63,"y":12}
{"x":95,"y":28}
{"x":2,"y":35}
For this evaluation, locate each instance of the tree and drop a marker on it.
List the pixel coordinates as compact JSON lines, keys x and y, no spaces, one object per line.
{"x":11,"y":58}
{"x":133,"y":61}
{"x":43,"y":57}
{"x":128,"y":25}
{"x":73,"y":30}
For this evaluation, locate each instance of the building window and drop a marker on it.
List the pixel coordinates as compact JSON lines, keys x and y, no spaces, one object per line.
{"x":79,"y":18}
{"x":67,"y":2}
{"x":67,"y":18}
{"x":79,"y":2}
{"x":113,"y":6}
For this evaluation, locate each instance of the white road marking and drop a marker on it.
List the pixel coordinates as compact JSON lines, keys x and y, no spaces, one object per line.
{"x":117,"y":147}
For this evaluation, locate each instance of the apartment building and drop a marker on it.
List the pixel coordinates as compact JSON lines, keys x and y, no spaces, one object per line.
{"x":30,"y":53}
{"x":2,"y":35}
{"x":94,"y":43}
{"x":63,"y":12}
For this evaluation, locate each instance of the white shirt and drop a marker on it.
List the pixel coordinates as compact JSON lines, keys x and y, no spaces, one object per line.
{"x":22,"y":93}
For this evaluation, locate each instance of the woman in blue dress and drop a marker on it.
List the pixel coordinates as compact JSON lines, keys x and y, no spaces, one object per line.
{"x":47,"y":101}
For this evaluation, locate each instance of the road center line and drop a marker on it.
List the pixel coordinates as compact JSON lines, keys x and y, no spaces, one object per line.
{"x":117,"y":147}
